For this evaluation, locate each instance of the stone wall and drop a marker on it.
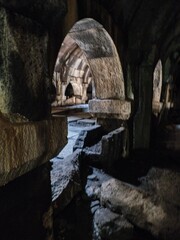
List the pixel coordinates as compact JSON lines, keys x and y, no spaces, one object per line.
{"x":29,"y":136}
{"x":24,"y":79}
{"x":25,"y":84}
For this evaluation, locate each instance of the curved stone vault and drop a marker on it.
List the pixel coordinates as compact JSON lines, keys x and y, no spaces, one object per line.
{"x":87,"y":53}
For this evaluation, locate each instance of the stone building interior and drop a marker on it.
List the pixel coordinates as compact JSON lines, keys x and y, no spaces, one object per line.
{"x":90,"y":120}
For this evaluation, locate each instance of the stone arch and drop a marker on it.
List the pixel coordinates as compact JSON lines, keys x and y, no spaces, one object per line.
{"x":92,"y":43}
{"x":157,"y":88}
{"x":102,"y":57}
{"x":71,"y":67}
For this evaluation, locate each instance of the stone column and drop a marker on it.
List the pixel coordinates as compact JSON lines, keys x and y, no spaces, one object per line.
{"x":142,"y":119}
{"x":63,"y":97}
{"x":84,"y":92}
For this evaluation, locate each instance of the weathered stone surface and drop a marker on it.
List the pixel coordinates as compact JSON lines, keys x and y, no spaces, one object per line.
{"x":94,"y":182}
{"x":65,"y":180}
{"x":110,"y":108}
{"x":165,"y":183}
{"x":12,"y":118}
{"x":114,"y":147}
{"x":111,"y":226}
{"x":88,"y":137}
{"x":23,"y":80}
{"x":94,"y":42}
{"x":108,"y":77}
{"x":102,"y":57}
{"x":87,"y":23}
{"x":109,"y":150}
{"x":26,"y":145}
{"x":142,"y":209}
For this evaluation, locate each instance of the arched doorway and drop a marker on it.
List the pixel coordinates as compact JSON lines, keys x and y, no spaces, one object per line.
{"x":69,"y":91}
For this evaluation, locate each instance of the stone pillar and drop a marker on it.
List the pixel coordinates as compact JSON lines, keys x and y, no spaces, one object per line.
{"x":84,"y":92}
{"x":142,"y":119}
{"x":63,"y":97}
{"x":58,"y":91}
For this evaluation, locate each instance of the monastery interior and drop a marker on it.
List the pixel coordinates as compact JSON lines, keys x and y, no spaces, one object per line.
{"x":122,"y":59}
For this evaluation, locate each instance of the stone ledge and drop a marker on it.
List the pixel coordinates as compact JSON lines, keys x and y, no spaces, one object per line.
{"x":24,"y":146}
{"x":110,"y":108}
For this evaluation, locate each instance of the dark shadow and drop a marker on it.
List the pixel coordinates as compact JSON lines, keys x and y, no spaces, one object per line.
{"x":76,"y":220}
{"x":69,"y":91}
{"x":89,"y":92}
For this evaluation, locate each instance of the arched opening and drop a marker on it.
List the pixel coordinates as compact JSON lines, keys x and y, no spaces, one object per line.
{"x":88,"y":73}
{"x":89,"y":54}
{"x":88,"y":70}
{"x":157,"y":88}
{"x":69,"y":92}
{"x":90,"y":91}
{"x":157,"y":104}
{"x":71,"y":68}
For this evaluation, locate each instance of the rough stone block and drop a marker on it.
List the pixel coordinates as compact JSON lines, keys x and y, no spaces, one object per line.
{"x":65,"y":180}
{"x":108,"y":77}
{"x":110,"y":108}
{"x":90,"y":40}
{"x":109,"y":150}
{"x":142,"y":209}
{"x":88,"y":137}
{"x":23,"y":67}
{"x":94,"y":182}
{"x":26,"y":145}
{"x":114,"y":147}
{"x":163,"y":182}
{"x":102,"y":58}
{"x":111,"y":226}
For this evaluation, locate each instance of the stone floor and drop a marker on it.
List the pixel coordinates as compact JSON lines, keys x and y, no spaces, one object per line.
{"x":90,"y":204}
{"x":79,"y":213}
